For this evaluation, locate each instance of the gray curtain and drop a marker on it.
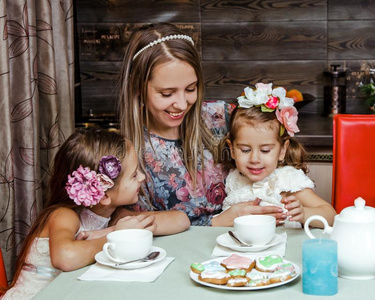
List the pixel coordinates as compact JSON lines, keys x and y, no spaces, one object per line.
{"x":37,"y":108}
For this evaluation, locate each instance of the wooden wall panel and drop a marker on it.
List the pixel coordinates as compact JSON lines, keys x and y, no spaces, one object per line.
{"x":242,"y":42}
{"x":264,"y":41}
{"x":98,"y":86}
{"x":351,"y":10}
{"x":227,"y":79}
{"x":107,"y":41}
{"x":137,"y":11}
{"x":351,"y":40}
{"x":262,"y":11}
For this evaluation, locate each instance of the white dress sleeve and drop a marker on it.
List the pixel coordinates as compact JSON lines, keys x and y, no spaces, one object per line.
{"x":238,"y":189}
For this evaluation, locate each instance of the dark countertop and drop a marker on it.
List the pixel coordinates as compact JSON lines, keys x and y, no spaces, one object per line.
{"x":315,"y":130}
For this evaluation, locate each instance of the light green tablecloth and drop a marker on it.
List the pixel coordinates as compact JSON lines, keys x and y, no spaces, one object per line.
{"x":196,"y":245}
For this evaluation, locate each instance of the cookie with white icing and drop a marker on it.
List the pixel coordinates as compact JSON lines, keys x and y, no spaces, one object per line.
{"x":268,"y":263}
{"x":238,"y":262}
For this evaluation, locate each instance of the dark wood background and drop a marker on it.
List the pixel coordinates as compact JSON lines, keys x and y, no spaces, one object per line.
{"x":289,"y":43}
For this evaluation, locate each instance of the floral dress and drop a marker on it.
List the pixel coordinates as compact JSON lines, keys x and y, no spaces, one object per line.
{"x":170,"y":186}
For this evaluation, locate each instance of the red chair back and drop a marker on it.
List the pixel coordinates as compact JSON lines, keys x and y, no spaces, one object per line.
{"x":3,"y":275}
{"x":353,"y":160}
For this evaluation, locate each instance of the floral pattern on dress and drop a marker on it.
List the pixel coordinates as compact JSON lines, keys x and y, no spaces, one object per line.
{"x":170,"y":186}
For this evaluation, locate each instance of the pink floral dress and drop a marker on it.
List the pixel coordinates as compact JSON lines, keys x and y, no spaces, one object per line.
{"x":169,"y":185}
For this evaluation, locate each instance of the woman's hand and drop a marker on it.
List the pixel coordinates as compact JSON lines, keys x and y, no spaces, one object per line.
{"x":94,"y":234}
{"x":295,"y":208}
{"x":128,"y":222}
{"x":248,"y":208}
{"x":136,"y":222}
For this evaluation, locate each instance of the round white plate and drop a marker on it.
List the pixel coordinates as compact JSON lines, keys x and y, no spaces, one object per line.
{"x":102,"y":259}
{"x":194,"y":276}
{"x":226,"y":241}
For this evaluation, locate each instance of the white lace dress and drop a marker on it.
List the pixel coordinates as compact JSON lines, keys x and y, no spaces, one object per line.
{"x":284,"y":179}
{"x":38,"y":271}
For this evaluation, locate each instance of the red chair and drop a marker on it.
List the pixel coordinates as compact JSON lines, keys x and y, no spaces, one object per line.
{"x":3,"y":275}
{"x":353,"y":160}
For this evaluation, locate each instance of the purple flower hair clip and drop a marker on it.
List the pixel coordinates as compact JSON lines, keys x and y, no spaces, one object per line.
{"x":110,"y":166}
{"x":87,"y":187}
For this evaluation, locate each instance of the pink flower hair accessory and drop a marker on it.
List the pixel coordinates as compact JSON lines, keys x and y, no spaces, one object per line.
{"x":272,"y":100}
{"x":87,"y":187}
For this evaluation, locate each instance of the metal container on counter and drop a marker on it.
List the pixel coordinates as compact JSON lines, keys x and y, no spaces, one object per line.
{"x":334,"y":91}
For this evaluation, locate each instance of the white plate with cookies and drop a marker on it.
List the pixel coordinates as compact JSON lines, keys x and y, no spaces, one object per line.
{"x":256,"y":280}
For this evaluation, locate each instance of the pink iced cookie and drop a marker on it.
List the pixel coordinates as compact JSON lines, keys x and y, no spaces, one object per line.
{"x":238,"y":262}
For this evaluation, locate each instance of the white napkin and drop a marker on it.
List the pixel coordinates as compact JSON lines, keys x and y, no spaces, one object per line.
{"x":279,"y":249}
{"x":104,"y":273}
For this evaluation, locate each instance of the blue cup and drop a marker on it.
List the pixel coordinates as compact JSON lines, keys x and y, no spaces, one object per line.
{"x":319,"y":267}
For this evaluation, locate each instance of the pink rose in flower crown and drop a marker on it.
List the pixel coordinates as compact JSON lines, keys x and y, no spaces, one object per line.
{"x":288,"y":116}
{"x":272,"y":103}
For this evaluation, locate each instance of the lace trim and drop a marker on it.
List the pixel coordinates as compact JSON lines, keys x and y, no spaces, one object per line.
{"x":43,"y":271}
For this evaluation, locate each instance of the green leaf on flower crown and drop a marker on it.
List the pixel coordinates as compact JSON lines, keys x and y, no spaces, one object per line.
{"x":266,"y":109}
{"x":282,"y":130}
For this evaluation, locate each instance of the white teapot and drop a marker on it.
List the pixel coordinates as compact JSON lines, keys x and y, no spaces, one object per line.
{"x":354,"y":231}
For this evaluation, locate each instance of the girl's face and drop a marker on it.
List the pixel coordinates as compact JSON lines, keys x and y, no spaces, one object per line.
{"x":126,"y":189}
{"x":172,"y":90}
{"x":257,"y":151}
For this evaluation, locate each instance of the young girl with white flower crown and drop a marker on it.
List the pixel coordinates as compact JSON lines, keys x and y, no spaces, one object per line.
{"x":94,"y":173}
{"x":268,"y":163}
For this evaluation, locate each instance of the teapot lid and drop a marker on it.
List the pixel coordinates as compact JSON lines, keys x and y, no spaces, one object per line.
{"x":359,"y":212}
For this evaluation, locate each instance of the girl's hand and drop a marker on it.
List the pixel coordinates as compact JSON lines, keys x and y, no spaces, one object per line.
{"x":248,"y":208}
{"x":136,"y":222}
{"x":295,"y":208}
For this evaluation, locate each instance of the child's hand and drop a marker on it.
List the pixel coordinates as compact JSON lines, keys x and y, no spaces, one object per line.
{"x":136,"y":222}
{"x":294,"y":207}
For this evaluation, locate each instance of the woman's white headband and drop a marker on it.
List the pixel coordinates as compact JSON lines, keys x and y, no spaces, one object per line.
{"x":167,"y":38}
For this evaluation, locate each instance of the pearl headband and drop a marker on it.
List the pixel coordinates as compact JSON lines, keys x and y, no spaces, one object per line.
{"x":167,"y":38}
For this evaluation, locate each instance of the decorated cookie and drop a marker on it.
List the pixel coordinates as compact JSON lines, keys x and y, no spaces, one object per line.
{"x":213,"y":266}
{"x":283,"y":272}
{"x":239,"y":281}
{"x":268,"y":263}
{"x":197,"y":268}
{"x":237,"y":273}
{"x":215,"y":277}
{"x":238,"y":262}
{"x":257,"y":279}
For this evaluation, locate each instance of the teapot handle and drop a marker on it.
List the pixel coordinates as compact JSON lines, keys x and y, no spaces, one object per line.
{"x":327,"y":228}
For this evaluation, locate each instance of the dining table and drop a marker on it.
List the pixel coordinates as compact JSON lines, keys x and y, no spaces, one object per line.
{"x":196,"y":245}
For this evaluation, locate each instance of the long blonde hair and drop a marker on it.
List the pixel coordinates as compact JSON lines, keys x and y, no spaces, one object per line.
{"x":84,"y":148}
{"x":134,"y":78}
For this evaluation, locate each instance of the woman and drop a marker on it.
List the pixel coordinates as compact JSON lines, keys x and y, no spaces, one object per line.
{"x":161,"y":113}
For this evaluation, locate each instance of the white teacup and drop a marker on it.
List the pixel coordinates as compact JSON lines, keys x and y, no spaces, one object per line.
{"x":128,"y":244}
{"x":257,"y":230}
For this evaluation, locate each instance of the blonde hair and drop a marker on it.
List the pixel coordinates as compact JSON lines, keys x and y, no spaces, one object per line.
{"x":134,"y":78}
{"x":295,"y":155}
{"x":84,"y":148}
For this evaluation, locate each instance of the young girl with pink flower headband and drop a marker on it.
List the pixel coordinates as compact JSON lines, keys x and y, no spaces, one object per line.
{"x":94,"y":172}
{"x":267,"y":163}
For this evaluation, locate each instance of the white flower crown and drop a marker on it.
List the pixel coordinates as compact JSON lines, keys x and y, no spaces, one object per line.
{"x":270,"y":100}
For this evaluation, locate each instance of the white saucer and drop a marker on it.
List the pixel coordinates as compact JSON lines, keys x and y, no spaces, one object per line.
{"x":226,"y":241}
{"x":102,"y":259}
